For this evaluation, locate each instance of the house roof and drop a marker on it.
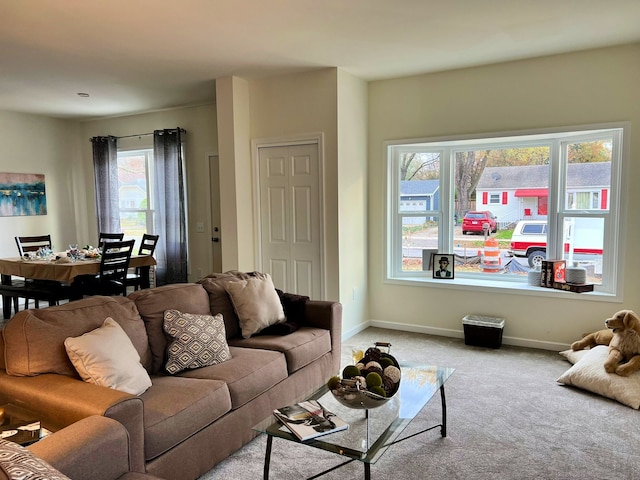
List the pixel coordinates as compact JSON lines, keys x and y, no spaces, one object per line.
{"x":419,"y":187}
{"x":537,"y":176}
{"x":136,"y":56}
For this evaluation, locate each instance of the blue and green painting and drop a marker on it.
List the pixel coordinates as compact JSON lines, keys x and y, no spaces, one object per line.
{"x":22,"y":194}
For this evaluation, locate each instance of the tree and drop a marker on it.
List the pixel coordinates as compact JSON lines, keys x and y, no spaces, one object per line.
{"x":469,"y":168}
{"x":419,"y":166}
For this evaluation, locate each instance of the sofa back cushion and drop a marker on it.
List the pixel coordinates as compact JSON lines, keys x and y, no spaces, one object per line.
{"x":153,"y":302}
{"x":34,"y":339}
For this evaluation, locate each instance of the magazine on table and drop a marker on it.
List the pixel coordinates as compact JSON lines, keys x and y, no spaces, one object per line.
{"x":307,"y":420}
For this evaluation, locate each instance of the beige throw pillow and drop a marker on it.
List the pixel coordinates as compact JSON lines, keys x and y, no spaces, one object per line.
{"x":256,"y":303}
{"x":198,"y":341}
{"x":106,"y":357}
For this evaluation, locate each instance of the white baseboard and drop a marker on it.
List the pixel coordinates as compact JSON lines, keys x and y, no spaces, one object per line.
{"x":445,"y":332}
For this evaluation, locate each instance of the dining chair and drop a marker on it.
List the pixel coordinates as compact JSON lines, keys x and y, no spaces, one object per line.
{"x":36,"y":289}
{"x":147,"y":247}
{"x":33,"y":243}
{"x":109,"y":237}
{"x":111,"y":280}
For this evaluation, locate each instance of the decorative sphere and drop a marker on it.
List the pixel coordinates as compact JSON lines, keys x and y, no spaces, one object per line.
{"x":374,"y":380}
{"x":393,"y":373}
{"x":378,"y":391}
{"x":333,"y":382}
{"x":373,"y":365}
{"x":350,"y":371}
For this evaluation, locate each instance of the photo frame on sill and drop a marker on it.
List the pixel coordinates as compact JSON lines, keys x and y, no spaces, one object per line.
{"x":428,"y":254}
{"x":443,"y":267}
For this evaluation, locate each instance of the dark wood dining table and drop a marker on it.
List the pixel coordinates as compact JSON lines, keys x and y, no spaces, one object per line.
{"x":63,"y":271}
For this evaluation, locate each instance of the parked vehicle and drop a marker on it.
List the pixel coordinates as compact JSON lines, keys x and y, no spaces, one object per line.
{"x":529,"y":239}
{"x":473,"y":221}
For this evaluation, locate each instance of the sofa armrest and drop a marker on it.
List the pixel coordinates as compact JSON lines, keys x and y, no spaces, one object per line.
{"x":60,"y":401}
{"x":94,"y":448}
{"x":327,"y":315}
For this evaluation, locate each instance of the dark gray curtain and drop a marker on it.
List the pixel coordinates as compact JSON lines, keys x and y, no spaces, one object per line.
{"x":170,"y":207}
{"x":105,"y":165}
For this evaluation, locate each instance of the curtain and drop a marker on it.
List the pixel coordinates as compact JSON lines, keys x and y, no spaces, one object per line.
{"x":170,"y":207}
{"x":105,"y":164}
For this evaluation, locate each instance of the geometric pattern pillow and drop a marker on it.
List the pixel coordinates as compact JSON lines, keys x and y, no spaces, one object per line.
{"x":198,"y":340}
{"x":18,"y":463}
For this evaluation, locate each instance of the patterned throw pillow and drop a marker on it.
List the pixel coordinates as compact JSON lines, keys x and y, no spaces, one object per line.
{"x":198,"y":341}
{"x":18,"y":463}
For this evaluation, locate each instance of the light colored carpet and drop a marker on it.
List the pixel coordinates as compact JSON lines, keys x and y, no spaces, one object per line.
{"x":507,"y":418}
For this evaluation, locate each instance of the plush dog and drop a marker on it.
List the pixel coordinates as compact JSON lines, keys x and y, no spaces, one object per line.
{"x":624,"y":348}
{"x":590,"y":340}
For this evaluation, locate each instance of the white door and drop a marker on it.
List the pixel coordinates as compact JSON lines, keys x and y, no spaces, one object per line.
{"x":290,"y":218}
{"x":216,"y":239}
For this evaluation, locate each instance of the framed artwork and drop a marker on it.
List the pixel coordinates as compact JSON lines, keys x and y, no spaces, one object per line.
{"x":22,"y":194}
{"x":428,"y":254}
{"x":443,"y":267}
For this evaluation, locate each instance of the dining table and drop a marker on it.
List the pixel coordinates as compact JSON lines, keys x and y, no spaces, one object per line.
{"x":61,"y":269}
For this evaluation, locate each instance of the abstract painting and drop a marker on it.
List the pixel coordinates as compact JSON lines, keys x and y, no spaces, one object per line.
{"x":22,"y":194}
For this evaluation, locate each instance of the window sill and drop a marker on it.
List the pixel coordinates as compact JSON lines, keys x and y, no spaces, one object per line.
{"x":503,"y":287}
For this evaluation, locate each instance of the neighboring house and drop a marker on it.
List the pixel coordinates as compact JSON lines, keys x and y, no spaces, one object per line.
{"x":131,"y":196}
{"x":514,"y":193}
{"x":419,"y":196}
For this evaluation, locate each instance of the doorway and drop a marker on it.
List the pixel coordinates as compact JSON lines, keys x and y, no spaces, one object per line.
{"x":291,"y":238}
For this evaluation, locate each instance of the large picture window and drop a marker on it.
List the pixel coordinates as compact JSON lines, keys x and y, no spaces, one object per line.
{"x":454,"y":195}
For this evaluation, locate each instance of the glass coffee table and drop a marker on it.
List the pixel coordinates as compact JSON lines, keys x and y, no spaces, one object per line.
{"x":371,"y":432}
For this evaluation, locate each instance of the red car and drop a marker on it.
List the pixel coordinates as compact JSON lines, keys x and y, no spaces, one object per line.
{"x":473,"y":221}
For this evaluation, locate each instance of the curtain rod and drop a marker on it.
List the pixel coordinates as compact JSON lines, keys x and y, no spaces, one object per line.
{"x":182,"y":130}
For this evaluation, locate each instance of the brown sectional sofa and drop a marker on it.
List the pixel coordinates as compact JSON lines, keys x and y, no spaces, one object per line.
{"x":185,"y":423}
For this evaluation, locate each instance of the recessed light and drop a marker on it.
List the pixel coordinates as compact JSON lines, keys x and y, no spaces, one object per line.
{"x":80,"y":94}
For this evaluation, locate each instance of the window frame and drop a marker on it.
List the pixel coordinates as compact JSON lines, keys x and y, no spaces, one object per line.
{"x":556,"y":139}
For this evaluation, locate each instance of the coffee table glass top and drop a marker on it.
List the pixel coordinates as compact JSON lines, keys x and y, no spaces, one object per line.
{"x":367,"y":439}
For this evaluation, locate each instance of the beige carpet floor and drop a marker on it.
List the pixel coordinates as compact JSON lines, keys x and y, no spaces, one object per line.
{"x":508,"y":418}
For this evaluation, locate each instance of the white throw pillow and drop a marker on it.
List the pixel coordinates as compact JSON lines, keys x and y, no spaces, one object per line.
{"x":256,"y":303}
{"x":106,"y":357}
{"x":589,"y":374}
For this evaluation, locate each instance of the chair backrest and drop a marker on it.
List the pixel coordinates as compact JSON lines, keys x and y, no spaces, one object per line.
{"x":109,"y":237}
{"x":32,"y":244}
{"x":148,"y":244}
{"x":114,"y":262}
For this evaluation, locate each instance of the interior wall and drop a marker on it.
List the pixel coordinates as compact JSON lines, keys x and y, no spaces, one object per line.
{"x":588,"y":87}
{"x":200,"y":140}
{"x":291,"y":106}
{"x":37,"y":144}
{"x":352,"y":200}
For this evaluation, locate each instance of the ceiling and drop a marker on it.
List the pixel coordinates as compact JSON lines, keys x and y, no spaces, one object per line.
{"x":132,"y":56}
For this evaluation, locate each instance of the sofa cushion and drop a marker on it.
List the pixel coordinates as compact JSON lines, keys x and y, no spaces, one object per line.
{"x":249,"y":373}
{"x":256,"y":303}
{"x":300,"y":348}
{"x":198,"y":340}
{"x":153,"y":302}
{"x":175,"y":408}
{"x":219,"y":300}
{"x":19,"y":463}
{"x":106,"y":357}
{"x":34,"y":339}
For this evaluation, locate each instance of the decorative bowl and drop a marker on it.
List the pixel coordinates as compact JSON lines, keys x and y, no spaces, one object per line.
{"x":353,"y":392}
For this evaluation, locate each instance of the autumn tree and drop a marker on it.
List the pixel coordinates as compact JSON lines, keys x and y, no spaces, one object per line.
{"x":469,"y":168}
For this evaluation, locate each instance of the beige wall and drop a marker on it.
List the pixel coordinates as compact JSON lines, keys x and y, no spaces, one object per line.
{"x":293,"y":106}
{"x":36,"y":144}
{"x":200,"y":140}
{"x":352,"y":199}
{"x":582,"y":88}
